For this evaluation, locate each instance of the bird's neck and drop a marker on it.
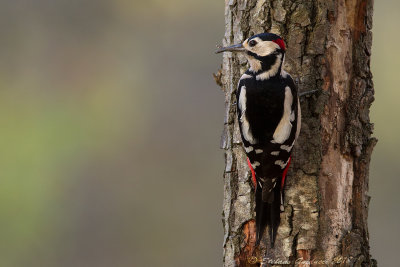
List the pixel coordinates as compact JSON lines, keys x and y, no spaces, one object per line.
{"x":266,"y":67}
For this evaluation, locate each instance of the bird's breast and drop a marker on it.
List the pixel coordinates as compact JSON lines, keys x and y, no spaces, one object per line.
{"x":264,"y":109}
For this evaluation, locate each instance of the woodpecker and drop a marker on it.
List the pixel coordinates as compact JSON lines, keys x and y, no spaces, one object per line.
{"x":269,"y":115}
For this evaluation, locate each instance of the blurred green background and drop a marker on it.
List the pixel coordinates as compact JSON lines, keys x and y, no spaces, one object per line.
{"x":110,"y":124}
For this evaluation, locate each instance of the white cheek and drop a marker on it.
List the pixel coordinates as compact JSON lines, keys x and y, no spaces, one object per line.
{"x":265,"y":48}
{"x":255,"y":65}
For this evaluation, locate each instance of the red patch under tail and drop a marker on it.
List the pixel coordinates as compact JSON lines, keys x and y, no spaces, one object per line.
{"x":253,"y":174}
{"x":284,"y":173}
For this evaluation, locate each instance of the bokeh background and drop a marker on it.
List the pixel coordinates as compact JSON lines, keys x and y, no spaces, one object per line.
{"x":109,"y":133}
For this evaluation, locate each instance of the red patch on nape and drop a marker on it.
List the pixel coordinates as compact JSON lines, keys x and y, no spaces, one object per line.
{"x":253,"y":174}
{"x":281,"y":43}
{"x":284,"y":174}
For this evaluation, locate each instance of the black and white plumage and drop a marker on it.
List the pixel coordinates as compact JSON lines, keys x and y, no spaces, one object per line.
{"x":269,"y":117}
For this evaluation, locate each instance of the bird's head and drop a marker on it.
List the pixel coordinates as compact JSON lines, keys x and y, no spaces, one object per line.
{"x":262,"y":51}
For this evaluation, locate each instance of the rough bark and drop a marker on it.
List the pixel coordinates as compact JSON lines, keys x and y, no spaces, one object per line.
{"x":326,"y":202}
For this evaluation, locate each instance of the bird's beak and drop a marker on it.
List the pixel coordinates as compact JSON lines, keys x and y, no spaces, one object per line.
{"x":232,"y":48}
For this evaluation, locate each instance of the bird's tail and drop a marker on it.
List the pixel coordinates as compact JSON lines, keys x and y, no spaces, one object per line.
{"x":267,"y":213}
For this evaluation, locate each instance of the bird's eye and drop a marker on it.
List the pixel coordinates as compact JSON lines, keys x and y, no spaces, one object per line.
{"x":252,"y":43}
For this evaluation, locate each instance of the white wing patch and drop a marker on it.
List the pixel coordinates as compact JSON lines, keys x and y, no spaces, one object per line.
{"x":259,"y":151}
{"x":275,"y":153}
{"x":282,"y":163}
{"x":246,"y":76}
{"x":292,"y":116}
{"x":244,"y":122}
{"x":298,"y":119}
{"x":248,"y":149}
{"x":282,"y":132}
{"x":255,"y":164}
{"x":287,"y":148}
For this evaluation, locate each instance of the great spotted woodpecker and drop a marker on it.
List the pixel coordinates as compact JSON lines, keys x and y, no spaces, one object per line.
{"x":268,"y":110}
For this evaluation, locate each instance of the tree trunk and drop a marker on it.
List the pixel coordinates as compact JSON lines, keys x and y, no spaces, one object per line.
{"x":326,"y":202}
